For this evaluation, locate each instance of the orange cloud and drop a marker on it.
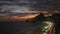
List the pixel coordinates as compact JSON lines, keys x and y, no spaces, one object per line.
{"x":18,"y":18}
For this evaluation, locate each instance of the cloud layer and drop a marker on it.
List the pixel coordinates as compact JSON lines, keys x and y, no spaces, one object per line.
{"x":16,"y":9}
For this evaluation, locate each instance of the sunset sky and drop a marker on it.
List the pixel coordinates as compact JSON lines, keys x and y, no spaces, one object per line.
{"x":27,"y":8}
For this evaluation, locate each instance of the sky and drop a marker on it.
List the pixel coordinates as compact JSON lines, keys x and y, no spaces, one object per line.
{"x":49,"y":5}
{"x":15,"y":7}
{"x":35,"y":5}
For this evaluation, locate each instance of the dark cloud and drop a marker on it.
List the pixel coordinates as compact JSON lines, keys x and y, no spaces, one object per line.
{"x":37,"y":5}
{"x":16,"y":9}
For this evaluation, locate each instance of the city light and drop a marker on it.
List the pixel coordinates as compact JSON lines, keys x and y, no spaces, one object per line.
{"x":50,"y":23}
{"x":48,"y":26}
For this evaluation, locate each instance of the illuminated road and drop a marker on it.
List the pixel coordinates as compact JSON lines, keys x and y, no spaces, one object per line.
{"x":48,"y":28}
